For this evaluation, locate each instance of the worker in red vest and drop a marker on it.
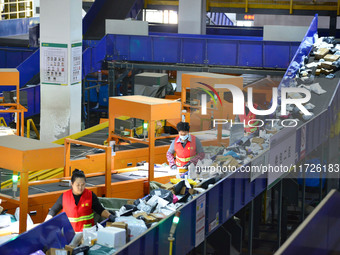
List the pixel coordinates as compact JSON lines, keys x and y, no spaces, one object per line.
{"x":249,"y":126}
{"x":187,"y":147}
{"x":79,"y":204}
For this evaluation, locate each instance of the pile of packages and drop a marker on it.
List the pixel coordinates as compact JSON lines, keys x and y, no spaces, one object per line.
{"x":327,"y":53}
{"x":323,"y":61}
{"x":6,"y":131}
{"x":135,"y":217}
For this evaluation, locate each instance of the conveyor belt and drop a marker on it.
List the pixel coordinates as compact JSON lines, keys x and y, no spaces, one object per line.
{"x":15,"y":40}
{"x":90,"y":182}
{"x":99,"y":137}
{"x":322,"y":101}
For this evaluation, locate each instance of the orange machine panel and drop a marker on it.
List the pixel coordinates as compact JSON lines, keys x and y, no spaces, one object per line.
{"x":23,"y":154}
{"x":9,"y":76}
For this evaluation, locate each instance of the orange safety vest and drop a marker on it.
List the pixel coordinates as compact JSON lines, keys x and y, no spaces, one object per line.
{"x":81,"y":215}
{"x":184,"y":155}
{"x":249,"y":129}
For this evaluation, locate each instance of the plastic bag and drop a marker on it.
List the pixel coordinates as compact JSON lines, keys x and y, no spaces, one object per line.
{"x":142,"y":206}
{"x":136,"y":227}
{"x":163,"y":193}
{"x":90,"y":233}
{"x":17,"y":216}
{"x":126,"y":210}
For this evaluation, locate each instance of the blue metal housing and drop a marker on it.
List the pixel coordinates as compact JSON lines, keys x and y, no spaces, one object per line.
{"x":303,"y":50}
{"x":190,"y":49}
{"x":224,"y":199}
{"x":55,"y":233}
{"x":16,"y":26}
{"x":320,"y":231}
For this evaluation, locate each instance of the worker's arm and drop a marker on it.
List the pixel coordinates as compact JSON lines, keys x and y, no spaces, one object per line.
{"x":48,"y":217}
{"x":199,"y":152}
{"x":98,"y":208}
{"x":55,"y":208}
{"x":170,"y":154}
{"x":105,"y":214}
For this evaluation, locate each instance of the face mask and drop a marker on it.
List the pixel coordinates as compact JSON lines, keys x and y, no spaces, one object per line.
{"x":183,"y":137}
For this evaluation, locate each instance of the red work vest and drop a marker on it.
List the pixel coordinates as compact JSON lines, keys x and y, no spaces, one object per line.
{"x":183,"y":155}
{"x":81,"y":215}
{"x":249,"y":128}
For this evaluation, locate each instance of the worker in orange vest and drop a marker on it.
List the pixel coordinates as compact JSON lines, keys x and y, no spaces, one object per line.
{"x":79,"y":203}
{"x":188,"y":148}
{"x":252,"y":126}
{"x":249,"y":127}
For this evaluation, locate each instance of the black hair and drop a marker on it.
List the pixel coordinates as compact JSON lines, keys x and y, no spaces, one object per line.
{"x":77,"y":174}
{"x":183,"y":126}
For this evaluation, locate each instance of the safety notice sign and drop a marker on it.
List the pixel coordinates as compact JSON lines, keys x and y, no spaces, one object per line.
{"x":54,"y":63}
{"x":76,"y":53}
{"x":200,"y":220}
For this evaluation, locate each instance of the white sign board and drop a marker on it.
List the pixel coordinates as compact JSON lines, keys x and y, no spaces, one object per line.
{"x":76,"y":54}
{"x":214,"y":223}
{"x":257,"y":165}
{"x":54,"y":63}
{"x":281,"y":153}
{"x":200,"y":220}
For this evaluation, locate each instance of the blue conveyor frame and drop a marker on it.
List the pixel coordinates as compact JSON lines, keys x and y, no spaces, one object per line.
{"x":206,"y":50}
{"x":55,"y":233}
{"x":228,"y":196}
{"x":232,"y":193}
{"x":319,"y":233}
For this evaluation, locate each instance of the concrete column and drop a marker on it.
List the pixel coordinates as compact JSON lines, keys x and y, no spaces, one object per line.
{"x":192,"y":17}
{"x":36,"y":5}
{"x":60,"y":68}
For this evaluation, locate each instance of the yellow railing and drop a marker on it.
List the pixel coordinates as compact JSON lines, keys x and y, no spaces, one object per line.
{"x":58,"y":172}
{"x":29,"y":123}
{"x":3,"y":122}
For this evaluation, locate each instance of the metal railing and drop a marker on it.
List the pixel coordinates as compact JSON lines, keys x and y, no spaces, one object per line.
{"x":108,"y":161}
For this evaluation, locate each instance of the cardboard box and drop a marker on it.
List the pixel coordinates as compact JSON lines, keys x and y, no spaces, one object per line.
{"x":192,"y":191}
{"x":182,"y":192}
{"x":331,"y":58}
{"x":147,"y":218}
{"x":224,"y":158}
{"x":328,"y":65}
{"x":121,"y":225}
{"x":321,"y":53}
{"x":234,"y":163}
{"x":80,"y":250}
{"x":130,"y":202}
{"x":69,"y":249}
{"x":54,"y":251}
{"x":258,"y":140}
{"x":111,"y":237}
{"x":326,"y":71}
{"x":158,"y":216}
{"x":167,"y":186}
{"x":317,"y":72}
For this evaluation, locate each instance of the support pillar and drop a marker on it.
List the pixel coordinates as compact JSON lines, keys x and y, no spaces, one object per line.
{"x":332,"y":24}
{"x":60,"y":68}
{"x":192,"y":17}
{"x":191,"y":20}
